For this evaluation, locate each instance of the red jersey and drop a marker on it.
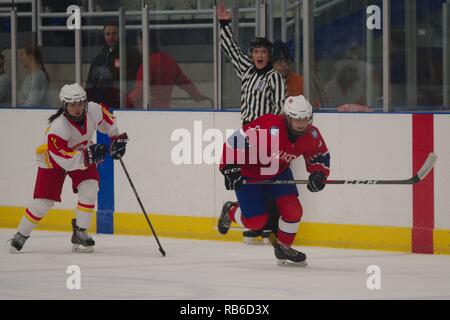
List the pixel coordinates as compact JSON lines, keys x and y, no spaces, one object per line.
{"x":264,"y":149}
{"x":165,"y":73}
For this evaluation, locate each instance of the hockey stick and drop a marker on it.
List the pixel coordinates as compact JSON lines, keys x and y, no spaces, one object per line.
{"x":142,"y":207}
{"x":419,"y":176}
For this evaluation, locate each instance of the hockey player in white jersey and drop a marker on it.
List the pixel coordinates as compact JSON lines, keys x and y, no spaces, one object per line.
{"x":67,"y":150}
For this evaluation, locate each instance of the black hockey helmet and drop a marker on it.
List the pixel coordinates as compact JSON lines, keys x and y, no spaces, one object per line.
{"x":260,"y":42}
{"x":281,"y":52}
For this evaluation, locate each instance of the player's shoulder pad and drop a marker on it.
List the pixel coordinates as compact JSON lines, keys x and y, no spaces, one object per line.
{"x":271,"y":122}
{"x":94,"y":110}
{"x":314,"y":132}
{"x":59,"y":127}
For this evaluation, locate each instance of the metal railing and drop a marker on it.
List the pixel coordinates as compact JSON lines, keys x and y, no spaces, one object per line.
{"x":445,"y":53}
{"x":144,"y":15}
{"x":304,"y":11}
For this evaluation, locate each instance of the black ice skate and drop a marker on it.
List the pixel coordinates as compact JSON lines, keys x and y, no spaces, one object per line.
{"x":287,"y":256}
{"x":17,"y":242}
{"x":81,"y":241}
{"x":224,"y":222}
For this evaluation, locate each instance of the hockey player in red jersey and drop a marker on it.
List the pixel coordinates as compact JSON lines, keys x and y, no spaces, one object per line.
{"x":263,"y":150}
{"x":67,"y":149}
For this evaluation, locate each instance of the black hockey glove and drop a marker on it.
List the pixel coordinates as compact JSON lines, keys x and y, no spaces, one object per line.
{"x":233,"y":178}
{"x":315,"y":183}
{"x":118,"y":146}
{"x":94,"y":154}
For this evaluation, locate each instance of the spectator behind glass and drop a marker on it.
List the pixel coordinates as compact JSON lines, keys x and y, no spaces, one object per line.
{"x":34,"y":89}
{"x":165,"y":73}
{"x":282,"y":62}
{"x":104,"y":92}
{"x":5,"y":84}
{"x":364,"y":69}
{"x":345,"y":88}
{"x":109,"y":58}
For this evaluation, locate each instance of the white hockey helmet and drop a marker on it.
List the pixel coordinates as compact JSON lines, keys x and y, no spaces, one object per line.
{"x":298,"y":107}
{"x":72,"y":93}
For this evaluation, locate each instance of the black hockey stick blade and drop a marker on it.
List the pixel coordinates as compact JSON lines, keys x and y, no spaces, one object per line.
{"x":419,"y":176}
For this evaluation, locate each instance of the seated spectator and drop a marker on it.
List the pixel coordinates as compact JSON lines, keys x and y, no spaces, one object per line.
{"x":34,"y":88}
{"x":282,"y":62}
{"x":345,"y":88}
{"x":109,"y":58}
{"x":104,"y":91}
{"x":5,"y":84}
{"x":165,"y":73}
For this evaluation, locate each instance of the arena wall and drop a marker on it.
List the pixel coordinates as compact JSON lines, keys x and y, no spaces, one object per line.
{"x":184,"y":200}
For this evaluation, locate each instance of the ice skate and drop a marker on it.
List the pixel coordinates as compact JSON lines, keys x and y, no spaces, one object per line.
{"x":287,"y":256}
{"x":17,"y":243}
{"x":224,"y":222}
{"x":81,"y":241}
{"x":252,"y":237}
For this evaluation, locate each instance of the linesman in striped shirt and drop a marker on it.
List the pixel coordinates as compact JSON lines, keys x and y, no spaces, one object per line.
{"x":263,"y":91}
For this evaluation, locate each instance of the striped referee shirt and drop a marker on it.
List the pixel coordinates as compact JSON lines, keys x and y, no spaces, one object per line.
{"x":262,"y":91}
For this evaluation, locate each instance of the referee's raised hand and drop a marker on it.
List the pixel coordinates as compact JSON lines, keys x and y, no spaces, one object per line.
{"x":222,"y":13}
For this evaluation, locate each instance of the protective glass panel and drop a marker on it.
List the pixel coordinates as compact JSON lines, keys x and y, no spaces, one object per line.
{"x":5,"y":60}
{"x":348,"y":55}
{"x":419,"y":55}
{"x":231,"y":84}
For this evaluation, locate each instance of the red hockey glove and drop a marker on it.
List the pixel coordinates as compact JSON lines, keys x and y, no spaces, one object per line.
{"x":94,"y":154}
{"x":118,"y":146}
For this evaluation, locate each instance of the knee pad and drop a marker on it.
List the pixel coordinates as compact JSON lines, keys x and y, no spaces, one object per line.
{"x":255,"y":223}
{"x":290,"y":208}
{"x":88,"y":191}
{"x":39,"y":207}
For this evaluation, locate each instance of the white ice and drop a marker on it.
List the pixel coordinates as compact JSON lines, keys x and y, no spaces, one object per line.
{"x":131,"y":267}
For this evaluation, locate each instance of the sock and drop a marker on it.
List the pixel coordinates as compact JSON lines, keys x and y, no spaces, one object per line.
{"x":287,"y":231}
{"x":235,"y":215}
{"x":84,"y":214}
{"x":87,"y":195}
{"x":33,"y":214}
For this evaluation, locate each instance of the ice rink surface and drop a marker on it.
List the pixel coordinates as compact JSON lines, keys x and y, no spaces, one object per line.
{"x":131,"y":267}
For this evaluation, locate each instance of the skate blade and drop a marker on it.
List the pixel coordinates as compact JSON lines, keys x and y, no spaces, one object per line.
{"x":287,"y":263}
{"x":266,"y":242}
{"x":13,"y":250}
{"x":252,"y":241}
{"x":78,"y":248}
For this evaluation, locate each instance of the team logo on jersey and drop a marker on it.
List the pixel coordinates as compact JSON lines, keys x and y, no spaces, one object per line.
{"x":260,"y":85}
{"x":274,"y":131}
{"x":314,"y":133}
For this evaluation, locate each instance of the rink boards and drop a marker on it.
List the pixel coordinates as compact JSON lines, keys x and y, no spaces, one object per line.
{"x":184,"y":200}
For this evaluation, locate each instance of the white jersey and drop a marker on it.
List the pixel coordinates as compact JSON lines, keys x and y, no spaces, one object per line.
{"x":64,"y":139}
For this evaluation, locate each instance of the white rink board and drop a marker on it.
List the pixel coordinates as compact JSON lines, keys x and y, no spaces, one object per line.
{"x":21,"y":133}
{"x":361,"y":146}
{"x":442,"y":172}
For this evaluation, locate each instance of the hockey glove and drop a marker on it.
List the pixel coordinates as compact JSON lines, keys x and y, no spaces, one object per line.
{"x":233,"y":178}
{"x":93,"y":154}
{"x":315,"y":183}
{"x":118,"y":145}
